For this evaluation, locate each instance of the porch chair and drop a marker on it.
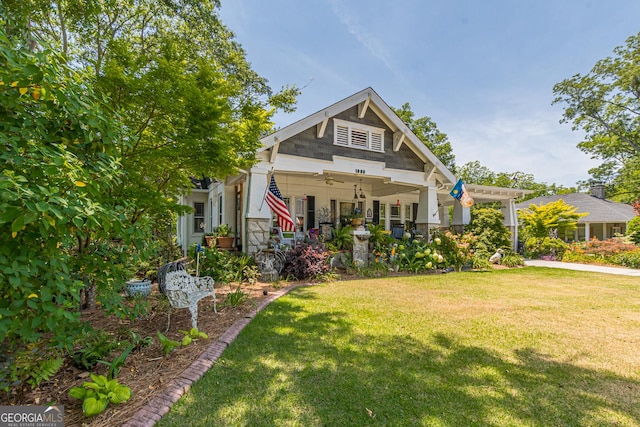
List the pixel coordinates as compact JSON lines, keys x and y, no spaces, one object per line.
{"x":397,"y":231}
{"x":290,"y":238}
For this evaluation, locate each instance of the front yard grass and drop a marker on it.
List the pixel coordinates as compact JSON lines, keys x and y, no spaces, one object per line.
{"x":521,"y":347}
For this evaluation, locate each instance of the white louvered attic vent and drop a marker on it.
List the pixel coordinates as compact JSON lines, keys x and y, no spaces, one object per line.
{"x":359,"y":138}
{"x":342,"y":135}
{"x":376,"y":142}
{"x":355,"y":135}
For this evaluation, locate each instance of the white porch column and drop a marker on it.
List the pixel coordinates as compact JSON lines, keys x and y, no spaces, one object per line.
{"x":511,"y":221}
{"x":258,"y":216}
{"x":461,"y":217}
{"x":587,"y":232}
{"x":443,"y":211}
{"x":256,"y":206}
{"x":428,"y":215}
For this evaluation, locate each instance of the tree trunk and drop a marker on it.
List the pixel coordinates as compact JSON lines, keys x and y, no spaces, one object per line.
{"x":89,"y":293}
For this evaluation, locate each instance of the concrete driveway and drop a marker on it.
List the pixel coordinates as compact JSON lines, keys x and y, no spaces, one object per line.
{"x":583,"y":267}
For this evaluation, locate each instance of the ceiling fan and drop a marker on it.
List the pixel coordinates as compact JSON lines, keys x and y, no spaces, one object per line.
{"x":329,"y":180}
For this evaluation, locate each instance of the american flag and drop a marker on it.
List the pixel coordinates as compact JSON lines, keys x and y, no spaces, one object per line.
{"x":277,"y":205}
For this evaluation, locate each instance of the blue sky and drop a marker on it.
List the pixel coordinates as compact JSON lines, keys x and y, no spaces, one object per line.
{"x":483,"y":70}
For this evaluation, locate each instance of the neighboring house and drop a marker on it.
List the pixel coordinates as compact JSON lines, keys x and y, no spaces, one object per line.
{"x":605,"y":219}
{"x":356,"y":153}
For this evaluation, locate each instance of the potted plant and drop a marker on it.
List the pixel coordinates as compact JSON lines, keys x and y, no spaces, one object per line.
{"x":225,"y":239}
{"x":210,"y":239}
{"x":357,"y":218}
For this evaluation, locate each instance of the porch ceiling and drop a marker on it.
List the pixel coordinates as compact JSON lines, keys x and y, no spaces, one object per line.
{"x":377,"y":186}
{"x":382,"y":186}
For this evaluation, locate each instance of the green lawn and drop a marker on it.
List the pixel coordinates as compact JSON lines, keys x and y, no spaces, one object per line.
{"x":522,"y":347}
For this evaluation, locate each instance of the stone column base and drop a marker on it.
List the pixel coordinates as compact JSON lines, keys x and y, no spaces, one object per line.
{"x":257,"y":234}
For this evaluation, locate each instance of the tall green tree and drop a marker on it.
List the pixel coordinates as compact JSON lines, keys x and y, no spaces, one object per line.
{"x":427,"y":131}
{"x":190,"y":102}
{"x":60,"y":161}
{"x":605,"y":104}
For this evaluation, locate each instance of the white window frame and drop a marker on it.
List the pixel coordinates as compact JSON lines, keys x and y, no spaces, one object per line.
{"x":299,"y":213}
{"x":395,"y":207}
{"x":359,"y":136}
{"x":199,"y":222}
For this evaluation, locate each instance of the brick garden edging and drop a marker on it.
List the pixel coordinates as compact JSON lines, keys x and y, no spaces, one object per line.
{"x":157,"y":407}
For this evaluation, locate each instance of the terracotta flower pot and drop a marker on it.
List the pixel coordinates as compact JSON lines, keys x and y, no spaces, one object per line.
{"x":211,"y":241}
{"x":225,"y":242}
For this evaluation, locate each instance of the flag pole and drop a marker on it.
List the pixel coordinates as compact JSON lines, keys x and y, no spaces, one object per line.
{"x":267,"y":187}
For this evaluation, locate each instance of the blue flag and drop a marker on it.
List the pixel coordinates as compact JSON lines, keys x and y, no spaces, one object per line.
{"x":456,"y":191}
{"x":460,"y":193}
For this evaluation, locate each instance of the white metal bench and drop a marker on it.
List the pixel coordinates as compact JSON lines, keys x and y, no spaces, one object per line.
{"x":184,"y":291}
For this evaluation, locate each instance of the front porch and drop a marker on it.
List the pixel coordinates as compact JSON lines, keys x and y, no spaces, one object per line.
{"x":323,"y":200}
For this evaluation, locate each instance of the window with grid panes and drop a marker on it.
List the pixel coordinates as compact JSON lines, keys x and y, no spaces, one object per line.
{"x":198,"y":217}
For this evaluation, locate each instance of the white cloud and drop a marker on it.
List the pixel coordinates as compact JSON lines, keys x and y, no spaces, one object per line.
{"x":368,"y":40}
{"x":537,"y":145}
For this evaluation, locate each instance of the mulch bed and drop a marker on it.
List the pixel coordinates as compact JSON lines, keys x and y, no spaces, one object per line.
{"x":146,"y":371}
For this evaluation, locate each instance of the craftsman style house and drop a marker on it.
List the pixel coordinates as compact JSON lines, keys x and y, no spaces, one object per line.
{"x":353,"y":155}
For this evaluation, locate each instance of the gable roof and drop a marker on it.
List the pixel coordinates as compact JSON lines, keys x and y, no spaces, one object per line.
{"x":599,"y":210}
{"x":365,"y":99}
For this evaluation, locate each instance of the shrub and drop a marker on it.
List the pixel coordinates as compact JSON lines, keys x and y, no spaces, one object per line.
{"x":379,"y":238}
{"x":611,"y":251}
{"x":455,"y":248}
{"x":554,"y":218}
{"x":512,"y":260}
{"x":627,"y":259}
{"x":633,"y":230}
{"x":480,"y":262}
{"x":489,"y":231}
{"x":29,"y":366}
{"x":537,"y":246}
{"x":306,"y":262}
{"x":419,"y":256}
{"x":342,"y":238}
{"x":226,"y":267}
{"x":95,"y":344}
{"x":61,"y":210}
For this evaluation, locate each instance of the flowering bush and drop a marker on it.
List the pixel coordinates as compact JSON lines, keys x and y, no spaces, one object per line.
{"x":605,"y":247}
{"x":455,"y":248}
{"x":611,"y":251}
{"x":419,"y":256}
